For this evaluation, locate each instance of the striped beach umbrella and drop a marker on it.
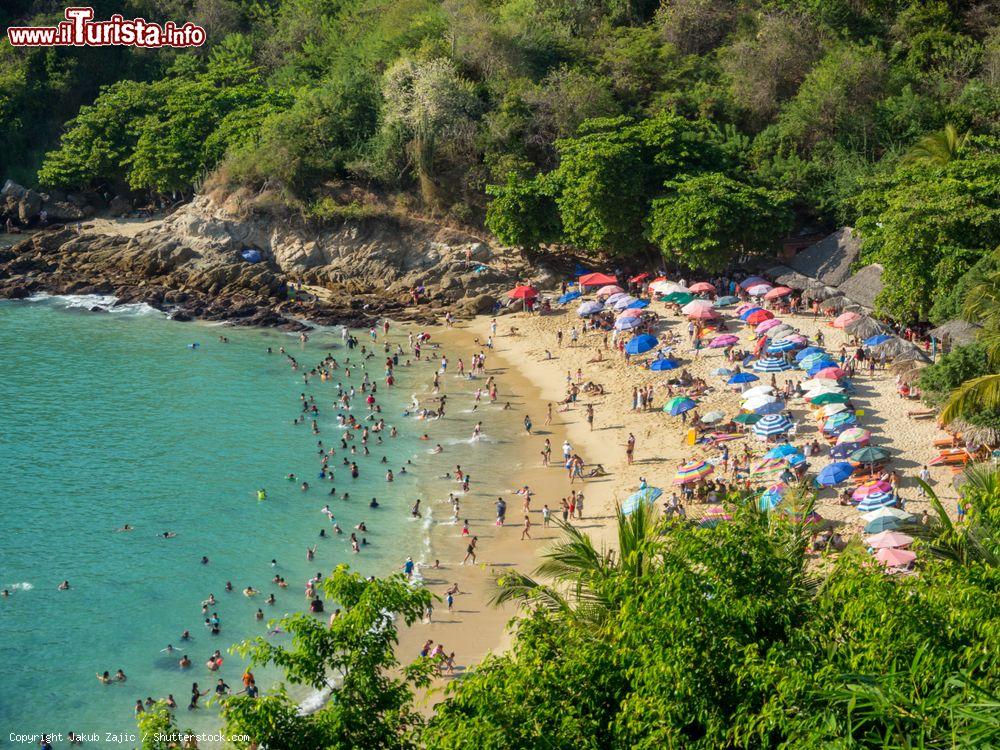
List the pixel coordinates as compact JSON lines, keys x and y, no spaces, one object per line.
{"x":871,"y":488}
{"x":771,"y":364}
{"x":785,"y":345}
{"x":806,"y":363}
{"x":768,"y":468}
{"x":773,"y":495}
{"x":678,"y":405}
{"x":726,"y":339}
{"x":693,"y":471}
{"x":839,"y":420}
{"x":635,"y":501}
{"x":876,"y":500}
{"x":854,"y":435}
{"x":772,"y":424}
{"x":808,"y":351}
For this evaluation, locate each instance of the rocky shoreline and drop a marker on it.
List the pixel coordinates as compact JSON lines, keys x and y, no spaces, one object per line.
{"x":193,"y":264}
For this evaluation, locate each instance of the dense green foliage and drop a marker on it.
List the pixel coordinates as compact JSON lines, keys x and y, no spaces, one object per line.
{"x":586,"y":123}
{"x":951,"y":370}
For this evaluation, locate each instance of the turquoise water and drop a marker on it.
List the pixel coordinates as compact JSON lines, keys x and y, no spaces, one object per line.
{"x":108,"y":419}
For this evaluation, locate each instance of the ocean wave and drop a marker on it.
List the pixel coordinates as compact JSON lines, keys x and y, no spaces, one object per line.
{"x":23,"y":586}
{"x":104,"y":302}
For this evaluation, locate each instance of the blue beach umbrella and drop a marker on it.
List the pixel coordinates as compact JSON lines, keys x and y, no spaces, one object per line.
{"x":785,"y":449}
{"x":771,"y":364}
{"x":838,"y":420}
{"x":770,"y":498}
{"x":809,"y":351}
{"x":627,"y":324}
{"x":774,"y":407}
{"x":589,"y":308}
{"x":569,"y":297}
{"x":643,"y":497}
{"x":748,"y":312}
{"x":806,"y":362}
{"x":772,"y":424}
{"x":795,"y":459}
{"x":678,"y":405}
{"x":638,"y":304}
{"x":844,"y":449}
{"x":834,"y":473}
{"x":785,"y":345}
{"x":878,"y":340}
{"x":664,"y":364}
{"x":726,"y":301}
{"x":883,"y":524}
{"x":821,"y":365}
{"x":742,"y":377}
{"x":641,"y":344}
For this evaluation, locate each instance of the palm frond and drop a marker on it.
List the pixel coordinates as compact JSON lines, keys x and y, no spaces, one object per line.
{"x":973,"y":396}
{"x":515,"y":586}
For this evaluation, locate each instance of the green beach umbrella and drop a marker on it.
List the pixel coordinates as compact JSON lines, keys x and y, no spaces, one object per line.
{"x":869,"y":455}
{"x":681,"y":298}
{"x":747,"y":418}
{"x":829,"y":398}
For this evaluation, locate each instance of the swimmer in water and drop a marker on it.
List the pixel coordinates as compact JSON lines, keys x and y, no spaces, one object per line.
{"x":185,"y":662}
{"x":168,"y":535}
{"x":250,"y":591}
{"x":64,"y":586}
{"x":126,"y":527}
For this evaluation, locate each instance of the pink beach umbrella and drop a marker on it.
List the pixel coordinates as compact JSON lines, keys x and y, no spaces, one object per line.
{"x":845,"y":319}
{"x":854,"y":435}
{"x":726,"y":339}
{"x":702,"y":287}
{"x":767,"y":325}
{"x":778,"y":291}
{"x":743,"y":307}
{"x":759,"y":290}
{"x":632,"y":312}
{"x":869,"y":487}
{"x":830,"y":373}
{"x":703,"y":313}
{"x":895,"y":558}
{"x":798,"y":338}
{"x":696,"y":304}
{"x":889,"y":539}
{"x":607,"y":291}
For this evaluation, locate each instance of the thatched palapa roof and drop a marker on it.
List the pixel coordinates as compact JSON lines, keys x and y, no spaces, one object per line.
{"x":957,"y":331}
{"x":899,"y":349}
{"x":830,"y":259}
{"x":820,"y":292}
{"x":864,"y":286}
{"x":865,"y":327}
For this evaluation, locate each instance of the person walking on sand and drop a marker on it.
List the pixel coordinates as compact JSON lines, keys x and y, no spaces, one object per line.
{"x":470,"y":551}
{"x":630,"y":448}
{"x":548,"y":414}
{"x":590,"y":416}
{"x":525,"y":532}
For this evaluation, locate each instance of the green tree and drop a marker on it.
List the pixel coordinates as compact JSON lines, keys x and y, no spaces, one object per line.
{"x":705,"y":221}
{"x":937,"y":149}
{"x":522,"y":212}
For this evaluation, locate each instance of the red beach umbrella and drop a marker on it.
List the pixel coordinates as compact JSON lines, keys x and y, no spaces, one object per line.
{"x":702,"y":287}
{"x":597,"y":279}
{"x":778,"y":291}
{"x":759,"y":317}
{"x":523,"y":292}
{"x":640,"y":277}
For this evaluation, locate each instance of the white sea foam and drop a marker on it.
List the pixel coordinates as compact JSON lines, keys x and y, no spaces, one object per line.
{"x":23,"y":586}
{"x":104,"y":302}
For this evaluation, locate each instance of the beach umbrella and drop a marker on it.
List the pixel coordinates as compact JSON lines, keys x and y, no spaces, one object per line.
{"x":608,"y":289}
{"x":680,"y":298}
{"x":780,"y":331}
{"x":664,"y":363}
{"x":622,"y":302}
{"x":807,"y":363}
{"x":809,"y":351}
{"x":869,"y":488}
{"x":778,"y":291}
{"x":889,"y":539}
{"x":597,"y":279}
{"x":635,"y":501}
{"x":627,"y":323}
{"x":895,"y":558}
{"x":693,"y":472}
{"x":876,"y":500}
{"x":589,"y":308}
{"x":896,"y":514}
{"x":828,"y":398}
{"x":713,"y":416}
{"x":746,"y":312}
{"x":703,"y":313}
{"x":758,"y":316}
{"x":641,"y":344}
{"x":829,"y":373}
{"x":722,"y":371}
{"x":742,"y":377}
{"x":638,"y":304}
{"x":750,"y":281}
{"x":878,"y":339}
{"x":839,"y":420}
{"x":844,"y":450}
{"x":797,"y":338}
{"x":726,"y":339}
{"x":759,"y":290}
{"x":678,"y":405}
{"x":767,"y":364}
{"x":717,"y":513}
{"x":569,"y":297}
{"x":845,"y":319}
{"x":667,"y":287}
{"x":767,"y":325}
{"x":785,"y":345}
{"x":695,"y":304}
{"x":785,"y":449}
{"x":869,"y":455}
{"x":772,"y":424}
{"x":702,"y":287}
{"x":854,"y":435}
{"x":821,"y":386}
{"x":610,"y":301}
{"x":775,"y":407}
{"x":768,"y":468}
{"x":770,"y":498}
{"x":747,"y":418}
{"x":760,"y":390}
{"x":755,"y":402}
{"x":883,"y":524}
{"x":639,"y":278}
{"x":629,"y":314}
{"x":830,"y":409}
{"x":523,"y":292}
{"x":726,"y":301}
{"x":834,"y":473}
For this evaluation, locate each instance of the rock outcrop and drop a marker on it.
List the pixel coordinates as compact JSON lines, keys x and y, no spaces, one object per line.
{"x":191,"y":264}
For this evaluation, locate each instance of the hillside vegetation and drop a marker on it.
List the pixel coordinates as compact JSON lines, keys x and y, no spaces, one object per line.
{"x":705,"y":129}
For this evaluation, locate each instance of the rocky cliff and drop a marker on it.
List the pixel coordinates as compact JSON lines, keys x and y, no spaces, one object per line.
{"x":193,"y":264}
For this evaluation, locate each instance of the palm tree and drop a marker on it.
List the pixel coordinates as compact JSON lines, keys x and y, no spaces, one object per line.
{"x":577,"y":569}
{"x":938,"y":148}
{"x":977,"y":541}
{"x":982,"y":305}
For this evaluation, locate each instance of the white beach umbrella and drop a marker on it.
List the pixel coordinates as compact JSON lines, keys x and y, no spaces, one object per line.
{"x":755,"y":402}
{"x":760,"y":390}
